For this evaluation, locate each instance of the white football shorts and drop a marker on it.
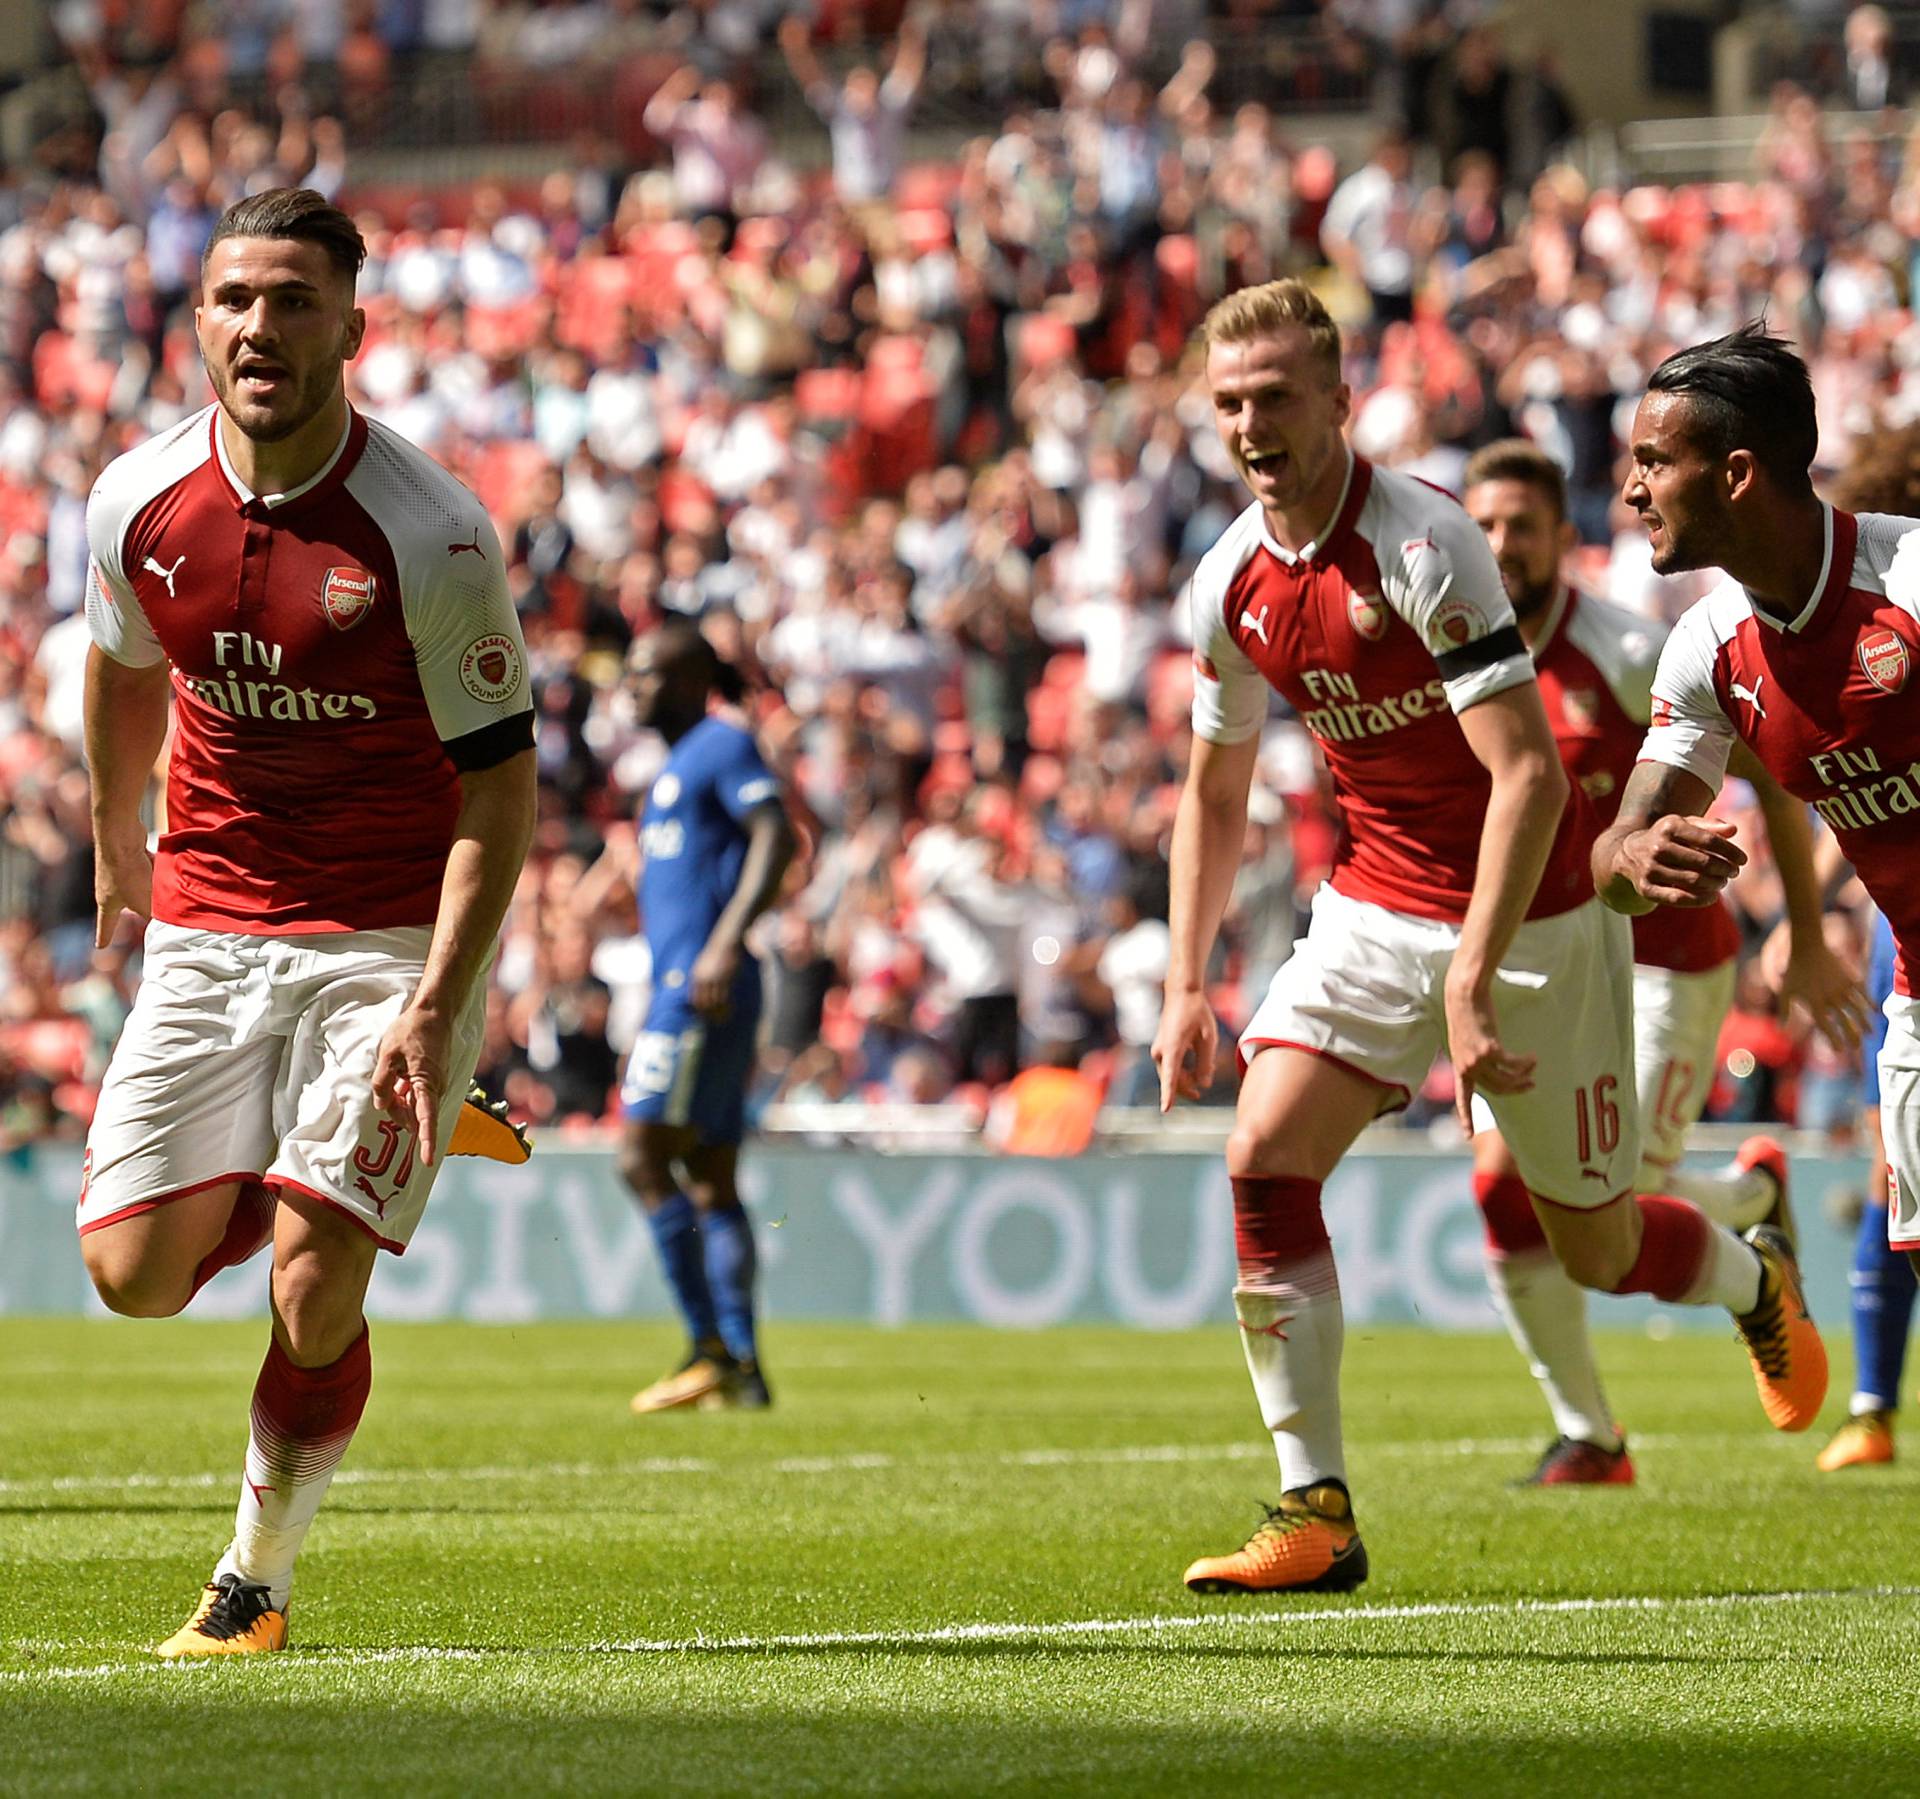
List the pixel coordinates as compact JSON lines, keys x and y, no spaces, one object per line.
{"x":1676,"y":1047}
{"x":251,"y":1058}
{"x":1365,"y":988}
{"x":1900,"y":1119}
{"x":1676,"y":1042}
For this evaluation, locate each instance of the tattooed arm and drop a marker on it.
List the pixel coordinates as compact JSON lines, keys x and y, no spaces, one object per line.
{"x":1662,"y":850}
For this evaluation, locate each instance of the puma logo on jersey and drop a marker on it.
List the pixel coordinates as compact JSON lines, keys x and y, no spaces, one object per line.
{"x":1750,"y":694}
{"x":460,"y":549}
{"x":1256,"y":622}
{"x":165,"y":574}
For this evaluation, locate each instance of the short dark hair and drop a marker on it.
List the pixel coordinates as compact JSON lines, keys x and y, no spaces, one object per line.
{"x":298,"y":213}
{"x":1518,"y":459}
{"x":1749,"y":392}
{"x":682,"y":638}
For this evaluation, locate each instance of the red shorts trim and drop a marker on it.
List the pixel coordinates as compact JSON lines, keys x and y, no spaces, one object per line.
{"x":163,"y":1199}
{"x":327,"y":1199}
{"x":1560,"y":1205}
{"x":1909,"y":1247}
{"x":1389,"y":1088}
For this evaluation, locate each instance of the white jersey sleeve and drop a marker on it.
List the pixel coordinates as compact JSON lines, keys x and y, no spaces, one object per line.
{"x":1438,"y":574}
{"x":467,"y":642}
{"x":1624,"y":646}
{"x":115,"y":618}
{"x":1690,"y":728}
{"x":1230,"y":695}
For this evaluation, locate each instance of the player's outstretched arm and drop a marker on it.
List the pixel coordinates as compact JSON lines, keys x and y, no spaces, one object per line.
{"x":125,"y":719}
{"x":490,"y":839}
{"x":1662,"y":849}
{"x":1209,"y":830}
{"x":1511,"y":739}
{"x":771,"y":842}
{"x":1806,"y":971}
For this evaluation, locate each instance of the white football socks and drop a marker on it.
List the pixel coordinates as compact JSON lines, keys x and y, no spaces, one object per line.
{"x":1736,"y":1197}
{"x":1293,"y":1331}
{"x":1729,"y":1274}
{"x":1545,"y":1312}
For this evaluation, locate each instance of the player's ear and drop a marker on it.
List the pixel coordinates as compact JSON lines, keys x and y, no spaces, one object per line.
{"x":356,"y":331}
{"x":1568,"y":537}
{"x":1738,"y":474}
{"x":1342,"y":404}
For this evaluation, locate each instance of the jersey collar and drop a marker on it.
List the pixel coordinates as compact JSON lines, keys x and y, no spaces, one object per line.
{"x":1557,"y":610}
{"x":1353,"y":492}
{"x":355,"y":434}
{"x":1836,"y":571}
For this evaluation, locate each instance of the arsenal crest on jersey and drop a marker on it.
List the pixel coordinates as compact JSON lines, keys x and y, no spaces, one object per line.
{"x":1883,"y":658}
{"x":346,"y":596}
{"x":1368,"y":612}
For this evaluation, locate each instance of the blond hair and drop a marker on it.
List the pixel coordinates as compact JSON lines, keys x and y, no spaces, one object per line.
{"x":1251,"y":312}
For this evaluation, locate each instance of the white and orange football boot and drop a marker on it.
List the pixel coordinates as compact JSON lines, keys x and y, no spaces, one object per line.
{"x":1308,"y":1543}
{"x":232,"y":1618}
{"x":1789,"y":1360}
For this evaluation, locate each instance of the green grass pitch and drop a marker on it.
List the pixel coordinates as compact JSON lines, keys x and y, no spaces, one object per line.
{"x":948,"y":1561}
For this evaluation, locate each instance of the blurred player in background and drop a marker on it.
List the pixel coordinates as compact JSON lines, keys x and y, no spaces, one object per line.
{"x":349,"y":799}
{"x":1805,"y":655}
{"x":715,"y":842}
{"x":1595,"y":664}
{"x":1459,"y":910}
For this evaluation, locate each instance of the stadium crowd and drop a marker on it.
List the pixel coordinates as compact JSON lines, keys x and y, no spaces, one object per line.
{"x":918,"y":443}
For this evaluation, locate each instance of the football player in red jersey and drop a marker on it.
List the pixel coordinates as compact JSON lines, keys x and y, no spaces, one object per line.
{"x":350,"y":795}
{"x":1595,"y":663}
{"x":1459,"y":910}
{"x":1805,"y":655}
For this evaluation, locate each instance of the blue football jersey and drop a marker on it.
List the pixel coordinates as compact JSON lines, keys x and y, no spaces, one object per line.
{"x":693,"y":841}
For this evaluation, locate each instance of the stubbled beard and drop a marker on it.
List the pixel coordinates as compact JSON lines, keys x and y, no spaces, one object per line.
{"x":1534,"y":599}
{"x":308,"y":407}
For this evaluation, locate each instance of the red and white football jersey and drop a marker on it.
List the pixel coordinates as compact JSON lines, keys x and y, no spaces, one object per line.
{"x":1826,"y":701}
{"x":337,"y":653}
{"x":1377,"y":636}
{"x":1596,"y":663}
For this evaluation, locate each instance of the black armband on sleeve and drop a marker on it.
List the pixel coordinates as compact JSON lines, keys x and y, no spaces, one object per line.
{"x":1497,"y":646}
{"x":492,"y":744}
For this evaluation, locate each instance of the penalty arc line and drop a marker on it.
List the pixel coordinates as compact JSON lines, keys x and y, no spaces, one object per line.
{"x":1272,"y":1623}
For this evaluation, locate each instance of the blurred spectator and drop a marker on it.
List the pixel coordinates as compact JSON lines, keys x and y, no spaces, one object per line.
{"x":1368,"y":230}
{"x":1133,"y":969}
{"x":1874,"y":78}
{"x":920,"y":445}
{"x":867,"y":115}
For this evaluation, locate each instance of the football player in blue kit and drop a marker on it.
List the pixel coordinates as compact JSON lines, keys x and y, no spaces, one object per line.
{"x":1881,"y":1279}
{"x":715,"y":843}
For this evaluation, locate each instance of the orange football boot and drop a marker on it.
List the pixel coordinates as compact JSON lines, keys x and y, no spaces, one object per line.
{"x":232,"y":1618}
{"x":1308,"y":1543}
{"x":484,"y":1129}
{"x":703,"y":1376}
{"x":1865,"y":1440}
{"x":1789,"y":1360}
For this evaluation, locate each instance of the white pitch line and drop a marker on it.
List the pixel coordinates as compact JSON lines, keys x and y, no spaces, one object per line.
{"x":1069,"y":1629}
{"x":865,"y":1462}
